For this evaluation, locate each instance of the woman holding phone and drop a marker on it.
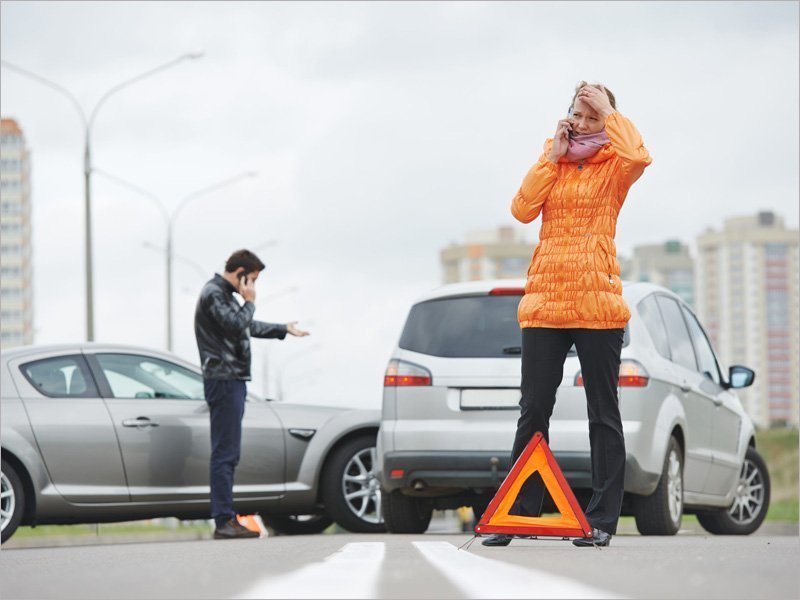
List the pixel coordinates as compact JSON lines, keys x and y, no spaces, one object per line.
{"x":573,"y":293}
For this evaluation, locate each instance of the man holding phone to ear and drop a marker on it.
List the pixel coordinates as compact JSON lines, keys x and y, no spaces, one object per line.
{"x":223,"y":329}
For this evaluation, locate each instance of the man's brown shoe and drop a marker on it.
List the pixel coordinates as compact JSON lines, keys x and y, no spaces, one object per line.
{"x":233,"y":530}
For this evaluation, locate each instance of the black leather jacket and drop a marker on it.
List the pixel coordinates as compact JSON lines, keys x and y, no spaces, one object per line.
{"x":223,"y":330}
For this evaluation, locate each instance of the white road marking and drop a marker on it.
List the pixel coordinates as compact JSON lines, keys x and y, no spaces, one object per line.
{"x":351,"y":572}
{"x":479,"y":577}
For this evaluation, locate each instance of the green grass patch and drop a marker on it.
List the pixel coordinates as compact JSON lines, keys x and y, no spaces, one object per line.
{"x":784,"y":510}
{"x":779,"y":448}
{"x":108,"y":529}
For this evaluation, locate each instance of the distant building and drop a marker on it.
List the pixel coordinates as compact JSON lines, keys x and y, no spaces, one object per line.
{"x":747,"y":290}
{"x":495,"y":254}
{"x":668,"y":264}
{"x":16,"y":295}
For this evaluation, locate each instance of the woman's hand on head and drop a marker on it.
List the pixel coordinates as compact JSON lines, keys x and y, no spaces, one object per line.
{"x":560,"y":140}
{"x":597,"y":99}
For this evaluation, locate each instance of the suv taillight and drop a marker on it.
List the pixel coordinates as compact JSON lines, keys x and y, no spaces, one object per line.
{"x":507,"y":291}
{"x":401,"y":373}
{"x":631,"y":374}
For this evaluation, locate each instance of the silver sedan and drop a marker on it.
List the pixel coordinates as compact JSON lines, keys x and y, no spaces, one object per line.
{"x":98,"y":433}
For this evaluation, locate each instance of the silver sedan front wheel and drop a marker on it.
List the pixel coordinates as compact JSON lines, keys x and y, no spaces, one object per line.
{"x":351,"y":493}
{"x":361,"y":488}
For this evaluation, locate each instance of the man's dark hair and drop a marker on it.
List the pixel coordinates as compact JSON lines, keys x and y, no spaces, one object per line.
{"x":246,"y":259}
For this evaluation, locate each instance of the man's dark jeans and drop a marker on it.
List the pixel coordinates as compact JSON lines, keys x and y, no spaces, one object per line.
{"x":225,"y":398}
{"x":543,"y":354}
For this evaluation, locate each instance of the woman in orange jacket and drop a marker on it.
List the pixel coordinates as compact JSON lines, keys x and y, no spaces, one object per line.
{"x":573,"y":293}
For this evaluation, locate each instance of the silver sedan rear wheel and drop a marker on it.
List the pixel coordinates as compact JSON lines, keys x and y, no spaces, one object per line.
{"x":12,"y":501}
{"x":7,"y":502}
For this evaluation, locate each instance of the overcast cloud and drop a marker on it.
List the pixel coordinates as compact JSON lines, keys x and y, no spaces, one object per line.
{"x":381,"y":132}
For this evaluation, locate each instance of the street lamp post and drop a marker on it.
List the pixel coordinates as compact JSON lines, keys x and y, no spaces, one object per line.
{"x":87,"y":159}
{"x":169,"y":221}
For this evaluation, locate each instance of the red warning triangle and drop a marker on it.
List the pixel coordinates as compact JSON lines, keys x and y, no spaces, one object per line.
{"x":537,"y":457}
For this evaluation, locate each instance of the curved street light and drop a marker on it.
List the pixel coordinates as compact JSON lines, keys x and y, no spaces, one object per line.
{"x":169,"y":221}
{"x":87,"y":156}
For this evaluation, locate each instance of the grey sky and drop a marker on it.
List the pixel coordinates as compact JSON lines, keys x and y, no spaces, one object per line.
{"x":382,"y":132}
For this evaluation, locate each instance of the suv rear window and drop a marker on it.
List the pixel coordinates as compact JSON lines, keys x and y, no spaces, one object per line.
{"x":464,"y":327}
{"x":468,"y":327}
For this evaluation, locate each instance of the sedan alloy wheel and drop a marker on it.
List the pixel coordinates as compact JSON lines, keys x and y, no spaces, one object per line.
{"x":351,"y":492}
{"x":361,"y":488}
{"x":12,"y":501}
{"x":7,"y":502}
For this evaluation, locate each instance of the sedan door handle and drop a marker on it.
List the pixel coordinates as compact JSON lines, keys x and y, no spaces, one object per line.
{"x":139,"y":422}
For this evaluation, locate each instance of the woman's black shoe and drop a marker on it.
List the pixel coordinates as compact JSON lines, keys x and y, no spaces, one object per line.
{"x":497,"y":539}
{"x":599,"y":538}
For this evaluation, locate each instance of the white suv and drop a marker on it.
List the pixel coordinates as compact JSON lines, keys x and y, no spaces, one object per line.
{"x":451,"y":403}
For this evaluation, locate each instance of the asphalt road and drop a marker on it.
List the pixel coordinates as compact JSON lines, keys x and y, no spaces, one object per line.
{"x":412,"y":566}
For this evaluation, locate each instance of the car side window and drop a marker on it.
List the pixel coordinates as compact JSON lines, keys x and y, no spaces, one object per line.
{"x":705,"y":355}
{"x":135,"y":376}
{"x":680,"y":344}
{"x":61,"y":377}
{"x":651,"y":315}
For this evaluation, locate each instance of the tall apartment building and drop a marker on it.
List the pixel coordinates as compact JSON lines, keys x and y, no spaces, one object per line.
{"x":668,"y":264}
{"x":747,"y":292}
{"x":16,"y":295}
{"x":494,"y":254}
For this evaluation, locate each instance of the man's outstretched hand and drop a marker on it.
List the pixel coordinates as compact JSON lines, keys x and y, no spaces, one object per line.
{"x":294,"y":330}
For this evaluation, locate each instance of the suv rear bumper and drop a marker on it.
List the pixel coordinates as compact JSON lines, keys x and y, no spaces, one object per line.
{"x":443,"y":471}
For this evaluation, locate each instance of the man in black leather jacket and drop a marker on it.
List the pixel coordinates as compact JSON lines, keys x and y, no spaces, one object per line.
{"x":223,"y":329}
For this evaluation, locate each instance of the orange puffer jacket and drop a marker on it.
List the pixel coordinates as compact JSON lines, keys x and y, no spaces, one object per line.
{"x":573,"y":280}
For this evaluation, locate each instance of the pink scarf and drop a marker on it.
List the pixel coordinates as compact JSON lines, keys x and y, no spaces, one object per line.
{"x":582,"y":147}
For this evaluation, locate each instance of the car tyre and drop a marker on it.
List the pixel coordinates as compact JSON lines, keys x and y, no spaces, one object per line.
{"x":12,"y":500}
{"x":406,"y":514}
{"x":660,"y":513}
{"x":750,"y":504}
{"x":297,"y":524}
{"x":350,"y":489}
{"x":479,"y":507}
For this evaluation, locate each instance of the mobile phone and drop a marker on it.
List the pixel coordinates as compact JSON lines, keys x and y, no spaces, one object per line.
{"x":569,"y":116}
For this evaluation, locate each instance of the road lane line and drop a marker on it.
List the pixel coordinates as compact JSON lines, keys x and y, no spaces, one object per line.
{"x":350,"y":572}
{"x":479,"y":577}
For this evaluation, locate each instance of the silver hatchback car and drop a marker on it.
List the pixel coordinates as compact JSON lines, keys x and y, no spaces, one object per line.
{"x":96,"y":433}
{"x":451,"y":402}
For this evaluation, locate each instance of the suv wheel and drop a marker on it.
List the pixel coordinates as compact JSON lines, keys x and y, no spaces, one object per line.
{"x":405,"y":514}
{"x":750,"y":504}
{"x":479,"y":507}
{"x":12,"y":501}
{"x":297,"y":524}
{"x":350,"y":490}
{"x":660,"y":513}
